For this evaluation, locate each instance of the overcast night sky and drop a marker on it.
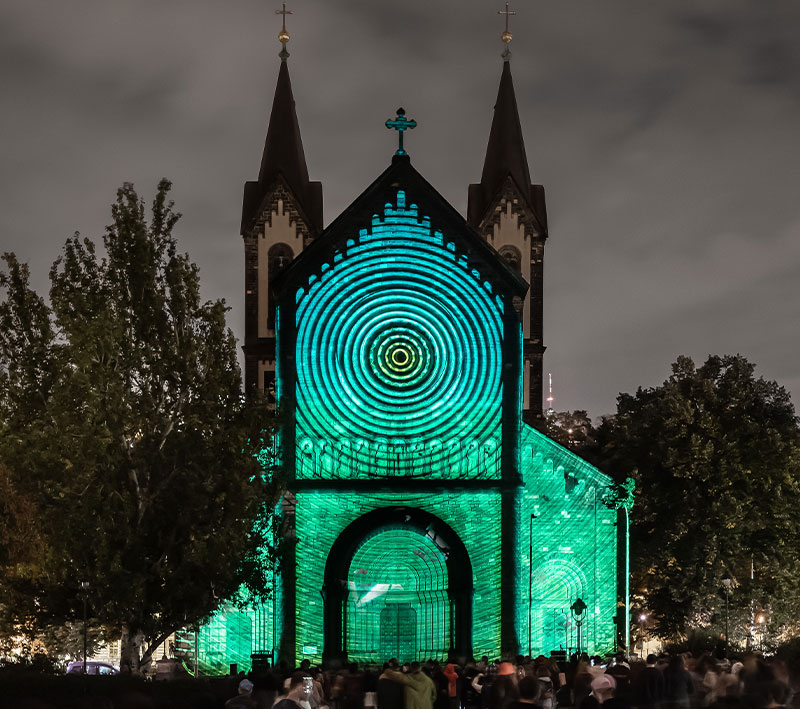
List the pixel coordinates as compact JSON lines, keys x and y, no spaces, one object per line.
{"x":666,"y":134}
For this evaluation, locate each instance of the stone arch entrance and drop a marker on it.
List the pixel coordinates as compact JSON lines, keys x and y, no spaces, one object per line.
{"x":398,"y":580}
{"x":557,"y":583}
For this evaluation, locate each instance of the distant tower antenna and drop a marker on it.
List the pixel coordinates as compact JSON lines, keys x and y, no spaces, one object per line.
{"x":550,"y":397}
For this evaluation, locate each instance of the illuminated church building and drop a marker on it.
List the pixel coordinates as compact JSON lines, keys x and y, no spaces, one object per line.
{"x":425,"y":514}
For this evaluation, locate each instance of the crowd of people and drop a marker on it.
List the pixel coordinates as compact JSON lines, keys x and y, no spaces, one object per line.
{"x":661,"y":682}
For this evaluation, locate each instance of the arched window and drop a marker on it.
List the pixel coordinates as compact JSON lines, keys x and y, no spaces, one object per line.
{"x":512,"y":257}
{"x":279,"y":257}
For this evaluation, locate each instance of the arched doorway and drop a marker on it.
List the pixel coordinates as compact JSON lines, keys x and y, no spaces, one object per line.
{"x":398,"y":583}
{"x":557,"y":583}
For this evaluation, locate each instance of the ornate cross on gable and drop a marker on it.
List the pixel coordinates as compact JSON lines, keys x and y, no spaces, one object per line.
{"x":401,"y":124}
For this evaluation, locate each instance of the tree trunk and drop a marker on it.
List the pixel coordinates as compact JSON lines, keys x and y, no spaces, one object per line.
{"x":131,"y":647}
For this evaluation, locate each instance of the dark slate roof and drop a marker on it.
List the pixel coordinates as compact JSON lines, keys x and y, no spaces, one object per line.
{"x":505,"y":156}
{"x":283,"y":158}
{"x":401,"y":175}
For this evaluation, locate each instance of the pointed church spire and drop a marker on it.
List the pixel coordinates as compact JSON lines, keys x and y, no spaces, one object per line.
{"x":505,"y":154}
{"x":510,"y":213}
{"x":283,"y":149}
{"x":283,"y":152}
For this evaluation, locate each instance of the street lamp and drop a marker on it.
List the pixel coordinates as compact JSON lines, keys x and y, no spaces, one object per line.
{"x":85,"y":593}
{"x":530,"y":578}
{"x":761,"y":620}
{"x":578,"y":610}
{"x":727,"y":582}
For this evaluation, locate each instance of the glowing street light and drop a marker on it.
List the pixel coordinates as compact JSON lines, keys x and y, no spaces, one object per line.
{"x":727,"y":582}
{"x":578,"y":612}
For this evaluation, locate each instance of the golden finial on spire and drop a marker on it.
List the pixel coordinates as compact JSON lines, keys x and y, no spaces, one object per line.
{"x":283,"y":35}
{"x":506,"y":36}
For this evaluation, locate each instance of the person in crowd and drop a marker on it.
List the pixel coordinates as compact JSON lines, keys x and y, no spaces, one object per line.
{"x":470,"y":697}
{"x":620,"y":670}
{"x":705,"y":680}
{"x":581,"y":683}
{"x":370,"y":688}
{"x":504,"y":690}
{"x":453,"y":682}
{"x":678,"y":686}
{"x":420,"y":691}
{"x":546,"y":698}
{"x":391,"y":694}
{"x":353,"y":696}
{"x":529,"y":695}
{"x":648,"y":691}
{"x":603,"y":688}
{"x":300,"y":685}
{"x":244,"y":697}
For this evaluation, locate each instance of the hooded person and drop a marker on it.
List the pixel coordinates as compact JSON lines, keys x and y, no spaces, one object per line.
{"x":452,"y":686}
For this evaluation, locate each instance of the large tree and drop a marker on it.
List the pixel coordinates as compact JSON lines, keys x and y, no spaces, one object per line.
{"x":714,"y":453}
{"x":124,"y":430}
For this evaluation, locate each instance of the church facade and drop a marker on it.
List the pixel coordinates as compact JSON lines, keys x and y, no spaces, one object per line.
{"x":426,"y":516}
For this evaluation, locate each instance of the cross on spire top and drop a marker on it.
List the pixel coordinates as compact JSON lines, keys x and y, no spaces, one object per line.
{"x":506,"y":36}
{"x":401,"y":124}
{"x":283,"y":35}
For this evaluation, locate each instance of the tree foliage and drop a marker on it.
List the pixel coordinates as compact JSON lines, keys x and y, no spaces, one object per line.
{"x":573,"y":430}
{"x":122,"y":423}
{"x":715,"y":453}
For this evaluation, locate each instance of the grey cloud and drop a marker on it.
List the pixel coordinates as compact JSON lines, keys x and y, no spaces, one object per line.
{"x":665,"y":136}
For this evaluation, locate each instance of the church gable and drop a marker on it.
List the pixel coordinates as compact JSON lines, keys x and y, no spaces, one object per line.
{"x":540,"y":454}
{"x":400,"y":345}
{"x":461,"y":238}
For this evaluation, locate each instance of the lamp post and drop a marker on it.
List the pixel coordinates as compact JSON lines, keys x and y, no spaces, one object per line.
{"x":578,"y":610}
{"x":85,"y":593}
{"x":761,"y":620}
{"x":530,"y":578}
{"x":727,"y":581}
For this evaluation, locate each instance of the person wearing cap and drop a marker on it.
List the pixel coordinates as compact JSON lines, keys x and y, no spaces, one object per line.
{"x":244,"y":699}
{"x":603,"y":689}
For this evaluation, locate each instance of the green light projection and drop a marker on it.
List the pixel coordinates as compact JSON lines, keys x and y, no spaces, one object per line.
{"x":567,"y":537}
{"x":399,"y":357}
{"x":397,"y":601}
{"x":231,"y":635}
{"x":322,"y":515}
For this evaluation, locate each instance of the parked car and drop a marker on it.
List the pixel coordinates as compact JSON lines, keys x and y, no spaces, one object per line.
{"x":92,"y":668}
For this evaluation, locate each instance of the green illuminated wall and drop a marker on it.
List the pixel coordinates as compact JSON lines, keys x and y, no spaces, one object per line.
{"x":233,"y":635}
{"x":399,"y":380}
{"x":574,"y":549}
{"x":322,"y":515}
{"x":398,"y":359}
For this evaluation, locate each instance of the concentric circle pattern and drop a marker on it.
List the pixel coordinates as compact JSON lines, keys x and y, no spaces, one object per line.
{"x":398,"y":360}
